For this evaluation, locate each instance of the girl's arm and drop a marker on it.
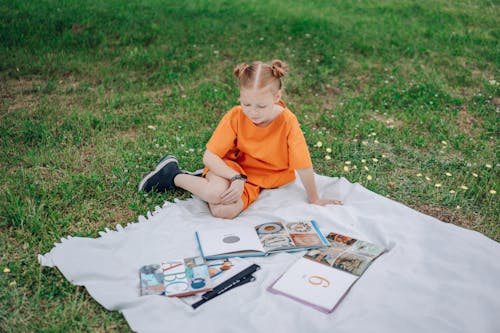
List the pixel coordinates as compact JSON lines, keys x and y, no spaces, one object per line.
{"x":307,"y":177}
{"x":216,"y":165}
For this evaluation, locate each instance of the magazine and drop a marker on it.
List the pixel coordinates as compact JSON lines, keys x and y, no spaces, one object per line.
{"x":260,"y":240}
{"x":322,"y":277}
{"x":181,"y":277}
{"x":220,"y":270}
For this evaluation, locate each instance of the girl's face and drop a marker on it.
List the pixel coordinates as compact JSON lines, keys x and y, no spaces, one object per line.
{"x":259,"y":105}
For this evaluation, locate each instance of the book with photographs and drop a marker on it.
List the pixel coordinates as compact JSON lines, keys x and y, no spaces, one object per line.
{"x":260,"y":240}
{"x":322,"y":277}
{"x":182,"y":277}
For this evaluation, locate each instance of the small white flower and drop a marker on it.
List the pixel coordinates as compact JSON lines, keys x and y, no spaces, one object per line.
{"x":448,"y":174}
{"x":151,"y":127}
{"x":328,"y":157}
{"x":493,"y":192}
{"x":369,"y":177}
{"x":328,"y":150}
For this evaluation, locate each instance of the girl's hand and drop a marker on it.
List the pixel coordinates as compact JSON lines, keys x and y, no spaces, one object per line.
{"x":323,"y":202}
{"x":233,"y":193}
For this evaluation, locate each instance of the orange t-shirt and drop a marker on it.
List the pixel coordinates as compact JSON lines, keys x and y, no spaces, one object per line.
{"x":268,"y":155}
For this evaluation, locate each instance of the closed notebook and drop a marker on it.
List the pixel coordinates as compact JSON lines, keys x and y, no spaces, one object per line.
{"x":322,"y":277}
{"x":260,"y":240}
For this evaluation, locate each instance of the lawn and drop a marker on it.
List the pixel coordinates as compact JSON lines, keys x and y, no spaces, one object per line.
{"x":400,"y":96}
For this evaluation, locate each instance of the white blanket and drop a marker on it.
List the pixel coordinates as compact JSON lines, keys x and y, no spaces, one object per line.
{"x":435,"y":277}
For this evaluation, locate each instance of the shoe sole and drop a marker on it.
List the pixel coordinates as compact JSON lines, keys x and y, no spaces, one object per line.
{"x":167,"y":160}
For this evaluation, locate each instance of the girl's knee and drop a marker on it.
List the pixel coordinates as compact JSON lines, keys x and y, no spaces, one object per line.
{"x":212,"y":196}
{"x":226,"y":211}
{"x":217,"y":186}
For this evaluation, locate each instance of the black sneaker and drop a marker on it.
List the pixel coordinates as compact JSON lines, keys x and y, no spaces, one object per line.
{"x":162,"y":178}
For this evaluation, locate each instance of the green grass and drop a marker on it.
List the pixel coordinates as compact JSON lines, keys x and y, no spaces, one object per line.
{"x":407,"y":89}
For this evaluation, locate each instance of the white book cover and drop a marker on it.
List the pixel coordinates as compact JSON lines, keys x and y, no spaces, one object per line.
{"x":314,"y":284}
{"x":323,"y":276}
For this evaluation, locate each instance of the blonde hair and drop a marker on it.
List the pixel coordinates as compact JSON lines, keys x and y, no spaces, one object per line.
{"x":260,"y":75}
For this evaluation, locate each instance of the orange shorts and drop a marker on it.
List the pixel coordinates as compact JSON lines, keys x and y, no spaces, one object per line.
{"x":250,"y":191}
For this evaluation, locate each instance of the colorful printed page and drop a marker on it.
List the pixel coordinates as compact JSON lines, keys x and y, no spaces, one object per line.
{"x":346,"y":253}
{"x":220,"y":271}
{"x":176,"y":277}
{"x":151,"y":277}
{"x":280,"y":236}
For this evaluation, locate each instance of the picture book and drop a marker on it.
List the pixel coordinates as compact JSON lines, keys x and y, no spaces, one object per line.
{"x":178,"y":278}
{"x":322,"y":277}
{"x":220,"y":270}
{"x":260,"y":240}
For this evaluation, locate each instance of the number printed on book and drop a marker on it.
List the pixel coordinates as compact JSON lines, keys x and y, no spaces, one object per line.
{"x":318,"y":280}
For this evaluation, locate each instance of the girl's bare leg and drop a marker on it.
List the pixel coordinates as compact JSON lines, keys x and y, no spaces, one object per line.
{"x":209,"y":189}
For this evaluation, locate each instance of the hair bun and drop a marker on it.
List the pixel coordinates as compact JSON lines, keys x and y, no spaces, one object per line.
{"x":279,"y":68}
{"x":240,"y":69}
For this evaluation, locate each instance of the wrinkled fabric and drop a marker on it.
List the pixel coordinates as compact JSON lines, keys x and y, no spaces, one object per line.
{"x":435,"y":277}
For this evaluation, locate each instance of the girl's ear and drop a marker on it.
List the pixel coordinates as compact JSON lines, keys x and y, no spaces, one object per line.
{"x":277,"y":96}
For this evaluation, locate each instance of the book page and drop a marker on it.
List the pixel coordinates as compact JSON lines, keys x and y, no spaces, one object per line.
{"x":303,"y":234}
{"x":273,"y":236}
{"x":346,"y":253}
{"x":186,"y":276}
{"x":220,"y":270}
{"x":314,"y":283}
{"x":232,"y":239}
{"x":282,"y":236}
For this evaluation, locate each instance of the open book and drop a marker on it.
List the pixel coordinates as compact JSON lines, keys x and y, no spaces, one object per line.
{"x":260,"y":240}
{"x":181,"y":277}
{"x":220,"y":271}
{"x":322,"y":277}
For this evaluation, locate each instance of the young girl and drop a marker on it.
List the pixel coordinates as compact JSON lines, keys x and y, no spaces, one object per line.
{"x":257,"y":145}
